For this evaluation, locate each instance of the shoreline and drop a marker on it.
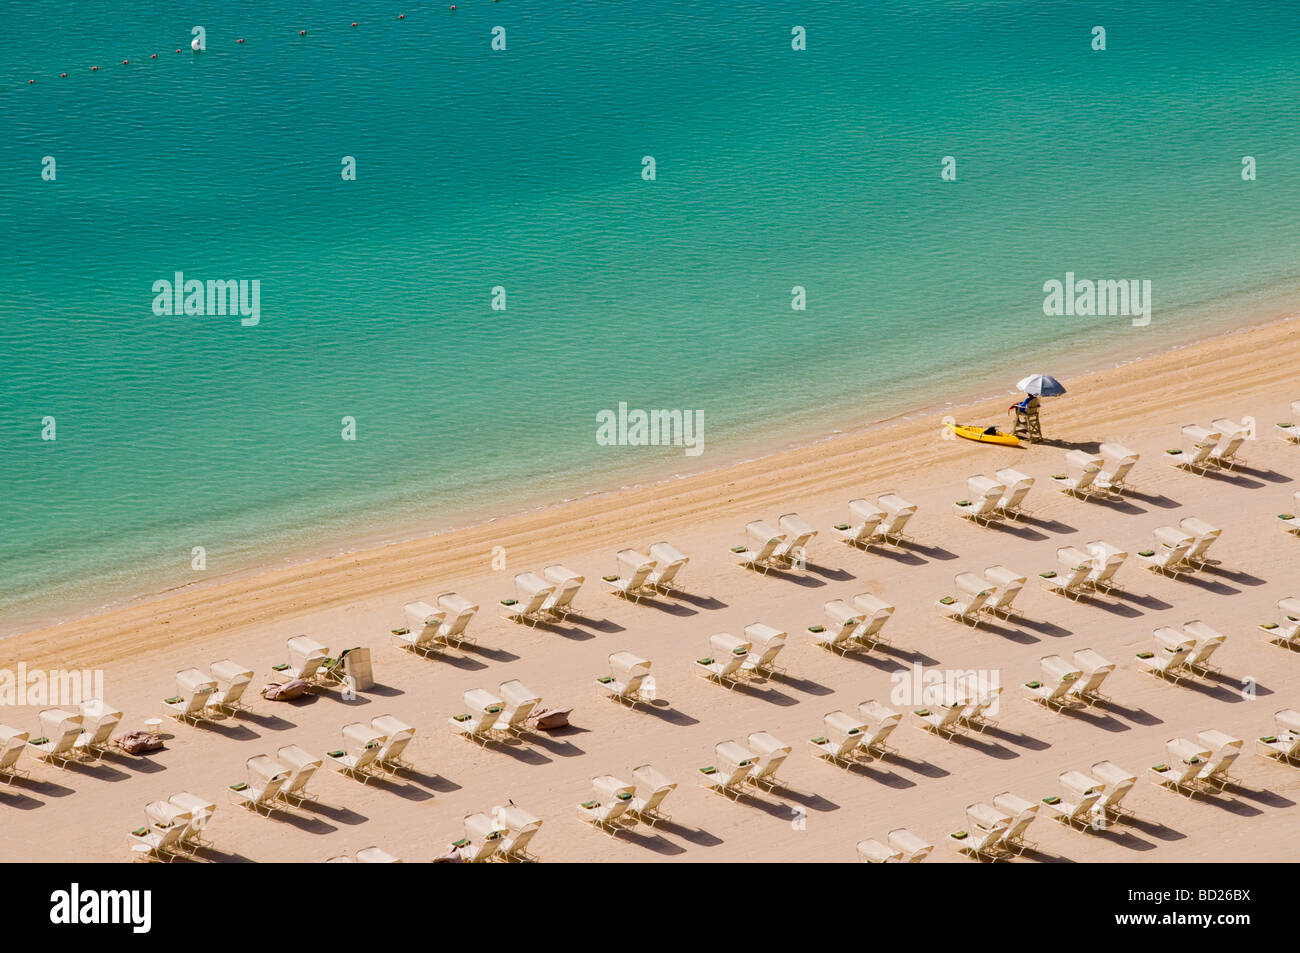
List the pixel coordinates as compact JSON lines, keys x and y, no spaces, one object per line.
{"x":751,"y":455}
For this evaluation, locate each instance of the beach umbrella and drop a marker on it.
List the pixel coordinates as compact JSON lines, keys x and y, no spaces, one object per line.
{"x":1041,"y":385}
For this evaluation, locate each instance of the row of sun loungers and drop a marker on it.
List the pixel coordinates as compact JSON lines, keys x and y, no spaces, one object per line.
{"x":1210,"y":448}
{"x":1083,"y":571}
{"x":996,"y":830}
{"x":1089,"y":474}
{"x":994,"y":592}
{"x":1200,"y":765}
{"x":65,"y":737}
{"x":491,"y":718}
{"x":736,"y":765}
{"x":173,"y":828}
{"x":768,"y":548}
{"x":734,"y":660}
{"x":619,"y":806}
{"x":1182,"y":548}
{"x":851,"y":738}
{"x":640,"y":575}
{"x":201,"y":696}
{"x":544,"y":598}
{"x":997,"y":499}
{"x":903,"y":847}
{"x":373,"y":749}
{"x":881,"y":522}
{"x":366,"y":855}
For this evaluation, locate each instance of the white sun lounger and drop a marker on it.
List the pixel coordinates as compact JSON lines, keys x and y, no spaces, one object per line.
{"x":60,"y":729}
{"x":771,"y":752}
{"x":629,"y":675}
{"x":265,"y":778}
{"x":668,"y":563}
{"x":986,"y":827}
{"x":1197,"y":445}
{"x":423,"y":625}
{"x":97,"y":723}
{"x":1118,"y":783}
{"x":459,"y":611}
{"x":531,"y":593}
{"x":1187,"y":760}
{"x":897,"y":514}
{"x":481,"y":840}
{"x":1231,"y":436}
{"x":520,"y":828}
{"x":1289,"y":430}
{"x":842,"y":620}
{"x":1291,"y":521}
{"x":1012,"y":504}
{"x":1072,"y":578}
{"x":977,"y":701}
{"x":520,"y":702}
{"x":767,"y":644}
{"x":566,"y":583}
{"x":793,"y":551}
{"x":634,"y":571}
{"x":1285,"y":744}
{"x":761,"y":551}
{"x":1059,"y":676}
{"x":652,"y":786}
{"x":1006,"y":585}
{"x":879,"y":723}
{"x":1224,"y":750}
{"x":840,"y":743}
{"x":1169,"y":656}
{"x":865,"y":519}
{"x":376,"y":855}
{"x":299,"y":766}
{"x":1093,"y":670}
{"x":1081,"y":471}
{"x":163,"y":843}
{"x":1286,"y":631}
{"x":479,"y":721}
{"x":1117,"y":461}
{"x":1080,"y":794}
{"x":725,"y":659}
{"x":233,"y":680}
{"x":874,"y":852}
{"x":913,"y":848}
{"x":1203,"y":536}
{"x":731,"y":773}
{"x":982,"y":507}
{"x":1207,"y":643}
{"x":972,"y":593}
{"x":12,"y":744}
{"x":943,"y":720}
{"x":874,"y":613}
{"x":306,"y":656}
{"x":361,"y":747}
{"x":200,"y":811}
{"x":397,"y":735}
{"x":193,"y":688}
{"x":1106,"y":561}
{"x":1022,"y":814}
{"x":1172,"y":547}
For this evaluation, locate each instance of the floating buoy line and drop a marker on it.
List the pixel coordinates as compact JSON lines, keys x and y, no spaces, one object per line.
{"x":198,"y":46}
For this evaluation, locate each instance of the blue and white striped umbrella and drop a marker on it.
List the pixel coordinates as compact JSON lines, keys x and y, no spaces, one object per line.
{"x":1041,"y":385}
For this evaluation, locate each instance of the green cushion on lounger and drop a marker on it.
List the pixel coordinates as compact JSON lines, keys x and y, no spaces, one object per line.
{"x":1058,"y":476}
{"x":625,"y":796}
{"x":174,"y":700}
{"x":1160,"y":768}
{"x":463,"y":842}
{"x":963,"y":502}
{"x":1146,"y":655}
{"x":280,"y":668}
{"x":1269,"y":739}
{"x":140,"y":831}
{"x":1192,"y":760}
{"x":819,"y":741}
{"x":842,"y":526}
{"x":493,"y":709}
{"x":740,"y":651}
{"x":401,"y":632}
{"x":921,"y":712}
{"x":958,"y":835}
{"x":1269,"y":625}
{"x":1033,"y":684}
{"x":1173,"y":453}
{"x":610,"y":578}
{"x":590,"y":805}
{"x":1052,"y":800}
{"x":336,"y":754}
{"x":739,"y":549}
{"x":1286,"y":516}
{"x":947,"y":600}
{"x":704,"y":661}
{"x":1146,"y":552}
{"x":708,"y":769}
{"x":42,"y":740}
{"x":460,"y":717}
{"x":241,"y":786}
{"x":511,"y":602}
{"x":605,"y":679}
{"x":1286,"y":425}
{"x":1050,"y":574}
{"x":816,"y":629}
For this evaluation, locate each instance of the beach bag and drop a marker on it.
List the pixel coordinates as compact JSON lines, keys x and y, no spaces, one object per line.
{"x":137,"y":742}
{"x":550,"y":718}
{"x":294,"y":688}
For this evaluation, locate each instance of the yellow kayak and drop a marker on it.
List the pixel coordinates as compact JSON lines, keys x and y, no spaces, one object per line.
{"x":972,"y":432}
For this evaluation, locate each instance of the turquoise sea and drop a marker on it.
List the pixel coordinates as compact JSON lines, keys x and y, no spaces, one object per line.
{"x":521,"y":168}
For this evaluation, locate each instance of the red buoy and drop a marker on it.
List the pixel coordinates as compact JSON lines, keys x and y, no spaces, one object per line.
{"x":354,"y":24}
{"x":401,"y":16}
{"x":154,"y":56}
{"x":302,"y":32}
{"x":63,"y":75}
{"x":30,"y":81}
{"x":93,"y":68}
{"x":124,"y":62}
{"x":241,"y":39}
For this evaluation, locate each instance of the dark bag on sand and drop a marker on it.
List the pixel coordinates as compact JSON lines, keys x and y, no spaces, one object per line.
{"x":294,"y":688}
{"x":550,"y":718}
{"x":137,"y":742}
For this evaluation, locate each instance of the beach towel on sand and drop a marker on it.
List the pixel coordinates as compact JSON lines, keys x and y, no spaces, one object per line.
{"x":137,"y":742}
{"x":287,"y":691}
{"x":548,"y":719}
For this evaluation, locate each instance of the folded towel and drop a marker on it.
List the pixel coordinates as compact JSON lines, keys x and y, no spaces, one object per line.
{"x":842,"y":526}
{"x":401,"y":631}
{"x":819,"y":741}
{"x":1050,"y":574}
{"x":463,"y":842}
{"x":336,"y":754}
{"x":1146,"y":655}
{"x":590,"y":805}
{"x":958,"y":835}
{"x":1269,"y":739}
{"x":1174,"y":452}
{"x":1052,"y":800}
{"x":513,"y":602}
{"x":704,"y":661}
{"x":1269,"y":625}
{"x":739,"y":549}
{"x":1033,"y":685}
{"x":708,"y":769}
{"x":922,"y":712}
{"x":1146,"y":552}
{"x":816,"y":629}
{"x":947,"y":601}
{"x":280,"y":668}
{"x":174,"y":700}
{"x":1160,"y":768}
{"x":605,"y":679}
{"x":962,"y":503}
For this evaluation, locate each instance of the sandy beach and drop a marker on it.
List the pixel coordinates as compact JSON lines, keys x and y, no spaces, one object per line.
{"x":84,"y":813}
